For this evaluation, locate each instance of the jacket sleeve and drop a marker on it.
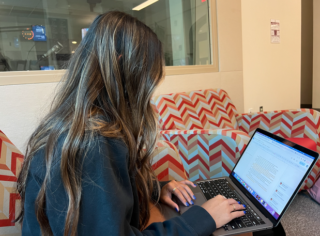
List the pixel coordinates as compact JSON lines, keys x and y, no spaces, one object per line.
{"x":108,"y":204}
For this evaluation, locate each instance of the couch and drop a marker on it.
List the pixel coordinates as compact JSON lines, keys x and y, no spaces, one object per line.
{"x":166,"y":163}
{"x":10,"y":165}
{"x":210,"y":135}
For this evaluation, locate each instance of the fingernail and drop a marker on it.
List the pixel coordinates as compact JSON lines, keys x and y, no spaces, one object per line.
{"x":194,"y":197}
{"x":187,"y":204}
{"x":177,"y":210}
{"x":194,"y":185}
{"x":244,"y":212}
{"x":191,"y":202}
{"x":244,"y":206}
{"x":239,"y":202}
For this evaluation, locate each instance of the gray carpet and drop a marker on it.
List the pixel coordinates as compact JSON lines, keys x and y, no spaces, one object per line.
{"x":302,"y":217}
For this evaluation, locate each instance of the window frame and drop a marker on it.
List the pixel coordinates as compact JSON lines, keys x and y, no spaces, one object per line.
{"x":38,"y":76}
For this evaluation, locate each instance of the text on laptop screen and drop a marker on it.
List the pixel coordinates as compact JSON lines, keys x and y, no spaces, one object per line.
{"x":271,"y":171}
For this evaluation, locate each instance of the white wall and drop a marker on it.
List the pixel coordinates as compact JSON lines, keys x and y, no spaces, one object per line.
{"x":271,"y":72}
{"x":22,"y":106}
{"x":316,"y":54}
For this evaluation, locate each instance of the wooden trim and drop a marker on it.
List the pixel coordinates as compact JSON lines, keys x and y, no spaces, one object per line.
{"x":32,"y":77}
{"x":214,"y":35}
{"x":182,"y":70}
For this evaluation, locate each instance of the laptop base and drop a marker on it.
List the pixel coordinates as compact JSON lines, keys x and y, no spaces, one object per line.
{"x":276,"y":231}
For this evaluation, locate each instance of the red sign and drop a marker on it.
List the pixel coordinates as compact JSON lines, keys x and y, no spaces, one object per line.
{"x":28,"y":34}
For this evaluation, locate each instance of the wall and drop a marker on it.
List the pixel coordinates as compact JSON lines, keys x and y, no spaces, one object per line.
{"x":316,"y":54}
{"x":306,"y":51}
{"x":271,"y":72}
{"x":22,"y":106}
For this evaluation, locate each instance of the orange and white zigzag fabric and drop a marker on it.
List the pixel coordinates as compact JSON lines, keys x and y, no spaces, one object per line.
{"x":10,"y":166}
{"x":207,"y":153}
{"x":300,"y":123}
{"x":203,"y":109}
{"x":166,"y":162}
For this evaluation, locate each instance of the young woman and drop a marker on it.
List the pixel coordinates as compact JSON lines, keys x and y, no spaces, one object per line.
{"x":87,"y":168}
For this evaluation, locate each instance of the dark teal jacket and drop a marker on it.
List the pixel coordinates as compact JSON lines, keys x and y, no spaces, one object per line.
{"x":109,"y":201}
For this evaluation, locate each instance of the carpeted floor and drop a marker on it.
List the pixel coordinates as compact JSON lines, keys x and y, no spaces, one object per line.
{"x":303,"y":217}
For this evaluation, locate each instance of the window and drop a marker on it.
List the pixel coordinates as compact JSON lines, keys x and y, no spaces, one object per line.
{"x":42,"y":34}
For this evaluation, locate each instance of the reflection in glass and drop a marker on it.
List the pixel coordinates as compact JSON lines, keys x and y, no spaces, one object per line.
{"x":43,"y":34}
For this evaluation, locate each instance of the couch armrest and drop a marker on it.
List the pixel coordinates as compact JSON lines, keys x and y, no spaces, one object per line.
{"x":166,"y":162}
{"x":207,"y":153}
{"x":299,"y":123}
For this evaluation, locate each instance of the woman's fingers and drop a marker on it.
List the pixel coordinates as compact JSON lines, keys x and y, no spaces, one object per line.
{"x":183,"y":196}
{"x":188,"y":183}
{"x":236,"y":207}
{"x":181,"y":190}
{"x":189,"y":191}
{"x":186,"y":195}
{"x":237,"y":214}
{"x":223,"y":210}
{"x":168,"y":201}
{"x":232,"y":201}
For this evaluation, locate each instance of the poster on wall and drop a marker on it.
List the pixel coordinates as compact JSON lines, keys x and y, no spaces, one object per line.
{"x":275,"y":31}
{"x":39,"y":33}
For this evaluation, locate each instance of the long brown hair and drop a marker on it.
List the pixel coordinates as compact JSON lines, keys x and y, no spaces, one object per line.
{"x":106,"y":91}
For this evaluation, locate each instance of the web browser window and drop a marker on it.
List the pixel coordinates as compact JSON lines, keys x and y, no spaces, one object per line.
{"x":271,"y":171}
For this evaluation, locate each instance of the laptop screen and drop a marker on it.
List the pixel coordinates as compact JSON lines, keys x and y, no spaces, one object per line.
{"x":271,"y":171}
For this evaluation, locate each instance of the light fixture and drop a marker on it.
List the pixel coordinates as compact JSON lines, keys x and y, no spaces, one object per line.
{"x":144,"y":4}
{"x":74,"y":42}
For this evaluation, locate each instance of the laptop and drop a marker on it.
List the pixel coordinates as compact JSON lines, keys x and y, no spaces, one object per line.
{"x":266,"y":179}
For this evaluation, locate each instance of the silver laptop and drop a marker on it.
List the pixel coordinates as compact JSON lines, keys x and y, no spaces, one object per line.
{"x":266,"y":179}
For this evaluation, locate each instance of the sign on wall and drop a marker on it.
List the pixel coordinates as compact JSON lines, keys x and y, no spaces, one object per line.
{"x":275,"y":31}
{"x":39,"y":33}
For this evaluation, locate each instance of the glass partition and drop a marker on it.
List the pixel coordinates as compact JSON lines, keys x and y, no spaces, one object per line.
{"x":43,"y":34}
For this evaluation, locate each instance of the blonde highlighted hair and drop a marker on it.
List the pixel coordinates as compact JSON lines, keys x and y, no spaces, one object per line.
{"x":106,"y":91}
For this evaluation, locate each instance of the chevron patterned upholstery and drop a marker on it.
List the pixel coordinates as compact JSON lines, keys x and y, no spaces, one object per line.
{"x":210,"y":135}
{"x":205,"y":109}
{"x":10,"y":166}
{"x":207,"y":153}
{"x":203,"y":127}
{"x":166,"y":162}
{"x":300,"y":123}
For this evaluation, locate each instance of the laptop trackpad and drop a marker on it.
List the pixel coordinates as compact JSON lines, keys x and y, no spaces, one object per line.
{"x":200,"y":199}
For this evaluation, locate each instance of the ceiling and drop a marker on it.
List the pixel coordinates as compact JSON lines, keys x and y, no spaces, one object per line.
{"x":34,"y":7}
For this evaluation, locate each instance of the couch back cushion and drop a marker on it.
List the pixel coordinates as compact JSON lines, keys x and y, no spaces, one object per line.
{"x":201,"y":109}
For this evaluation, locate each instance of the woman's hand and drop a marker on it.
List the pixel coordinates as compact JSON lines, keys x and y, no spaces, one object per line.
{"x":223,"y":210}
{"x":181,"y":190}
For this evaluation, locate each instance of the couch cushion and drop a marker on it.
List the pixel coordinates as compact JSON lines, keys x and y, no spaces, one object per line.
{"x":10,"y":165}
{"x":202,"y":109}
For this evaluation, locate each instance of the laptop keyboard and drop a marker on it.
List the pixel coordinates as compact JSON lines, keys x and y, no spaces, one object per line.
{"x":212,"y":188}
